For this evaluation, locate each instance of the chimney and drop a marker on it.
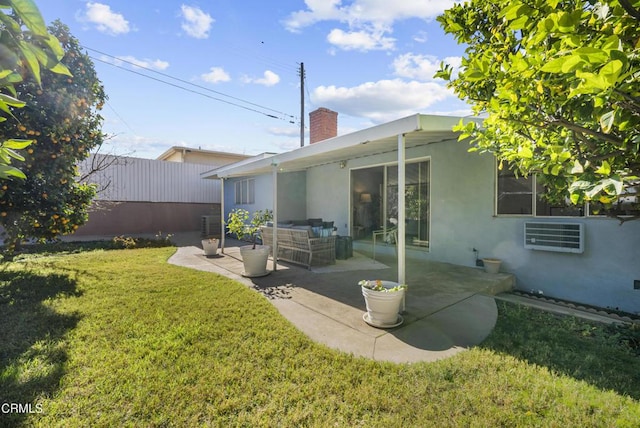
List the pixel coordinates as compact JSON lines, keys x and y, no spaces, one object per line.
{"x":323,"y":125}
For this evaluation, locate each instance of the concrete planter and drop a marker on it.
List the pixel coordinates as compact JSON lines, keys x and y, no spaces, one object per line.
{"x":210,"y":246}
{"x":491,"y":265}
{"x":383,"y":307}
{"x":255,"y":260}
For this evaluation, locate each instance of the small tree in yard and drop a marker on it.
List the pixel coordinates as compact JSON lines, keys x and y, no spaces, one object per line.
{"x":559,"y":81}
{"x":237,"y":223}
{"x":64,"y":125}
{"x":26,"y":49}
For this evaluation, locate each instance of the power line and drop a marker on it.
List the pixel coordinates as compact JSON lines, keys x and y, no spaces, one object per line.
{"x":288,"y":116}
{"x":187,"y":89}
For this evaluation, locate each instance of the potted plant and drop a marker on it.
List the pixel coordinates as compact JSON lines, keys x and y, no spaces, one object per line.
{"x":210,"y":246}
{"x":384,"y":300}
{"x":491,"y":265}
{"x":254,"y":256}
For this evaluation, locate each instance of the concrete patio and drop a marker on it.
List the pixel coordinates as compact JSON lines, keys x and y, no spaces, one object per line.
{"x":448,"y":308}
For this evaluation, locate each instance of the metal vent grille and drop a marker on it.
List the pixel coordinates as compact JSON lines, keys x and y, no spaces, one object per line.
{"x":561,"y":237}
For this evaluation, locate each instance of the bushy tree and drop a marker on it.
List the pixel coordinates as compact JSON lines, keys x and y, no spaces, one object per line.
{"x":559,"y":82}
{"x":25,"y":49}
{"x":64,"y":123}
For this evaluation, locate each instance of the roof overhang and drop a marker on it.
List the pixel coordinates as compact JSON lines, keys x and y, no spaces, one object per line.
{"x":418,"y":130}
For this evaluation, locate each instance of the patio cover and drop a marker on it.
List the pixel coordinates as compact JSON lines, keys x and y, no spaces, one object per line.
{"x":398,"y":135}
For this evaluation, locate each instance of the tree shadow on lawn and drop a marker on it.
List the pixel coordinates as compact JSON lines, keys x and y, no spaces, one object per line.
{"x":606,"y":356}
{"x":32,"y":347}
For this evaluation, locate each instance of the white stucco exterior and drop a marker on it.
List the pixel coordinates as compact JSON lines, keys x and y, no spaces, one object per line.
{"x":462,"y":217}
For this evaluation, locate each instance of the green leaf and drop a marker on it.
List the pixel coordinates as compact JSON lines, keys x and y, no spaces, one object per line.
{"x":11,"y":101}
{"x":577,"y":168}
{"x":31,"y":60}
{"x":605,"y":168}
{"x":613,"y":185}
{"x":572,"y":63}
{"x":30,"y":15}
{"x":16,"y":144}
{"x":611,"y":43}
{"x":592,"y":55}
{"x":611,"y":71}
{"x":606,"y":121}
{"x":14,"y":155}
{"x":525,"y":152}
{"x":575,"y":198}
{"x":60,"y":68}
{"x":7,"y":171}
{"x":554,"y":66}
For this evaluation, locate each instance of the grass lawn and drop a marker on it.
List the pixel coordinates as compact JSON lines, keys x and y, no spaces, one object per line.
{"x":121,"y":338}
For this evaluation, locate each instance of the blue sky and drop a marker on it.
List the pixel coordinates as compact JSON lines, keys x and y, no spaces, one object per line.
{"x":370,"y":60}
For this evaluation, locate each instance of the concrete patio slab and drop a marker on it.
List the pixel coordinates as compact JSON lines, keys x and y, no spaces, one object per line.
{"x":448,"y":308}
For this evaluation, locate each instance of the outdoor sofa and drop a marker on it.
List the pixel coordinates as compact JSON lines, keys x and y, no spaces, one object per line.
{"x":305,"y":243}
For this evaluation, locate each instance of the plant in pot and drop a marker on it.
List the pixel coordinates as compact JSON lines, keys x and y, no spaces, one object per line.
{"x":384,"y":300}
{"x":254,"y":256}
{"x":210,"y":246}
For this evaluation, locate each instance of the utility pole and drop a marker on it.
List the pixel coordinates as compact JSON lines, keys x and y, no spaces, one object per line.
{"x":302,"y":104}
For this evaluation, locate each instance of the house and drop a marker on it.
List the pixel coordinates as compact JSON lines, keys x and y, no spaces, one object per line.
{"x":147,"y":196}
{"x":199,"y":156}
{"x":457,"y":207}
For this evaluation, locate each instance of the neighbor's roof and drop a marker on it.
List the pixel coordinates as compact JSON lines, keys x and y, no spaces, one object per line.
{"x":418,"y":129}
{"x":179,"y":149}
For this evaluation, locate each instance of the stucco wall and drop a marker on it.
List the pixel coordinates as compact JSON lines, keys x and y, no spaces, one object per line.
{"x":462,"y":218}
{"x":124,"y":218}
{"x":292,"y":195}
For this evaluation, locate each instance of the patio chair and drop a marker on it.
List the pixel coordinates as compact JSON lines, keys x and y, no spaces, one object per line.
{"x":388,"y":235}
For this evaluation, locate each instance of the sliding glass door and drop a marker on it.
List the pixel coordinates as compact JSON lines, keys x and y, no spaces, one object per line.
{"x":375,"y":201}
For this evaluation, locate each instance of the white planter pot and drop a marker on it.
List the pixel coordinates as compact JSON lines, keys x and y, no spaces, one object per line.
{"x":255,"y":260}
{"x":383,"y":307}
{"x":210,"y":246}
{"x":491,"y":265}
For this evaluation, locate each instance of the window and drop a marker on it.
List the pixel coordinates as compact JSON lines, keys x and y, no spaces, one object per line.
{"x":245,"y":191}
{"x":516,"y":195}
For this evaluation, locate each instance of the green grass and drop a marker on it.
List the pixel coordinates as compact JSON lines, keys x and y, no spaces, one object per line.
{"x":121,"y":338}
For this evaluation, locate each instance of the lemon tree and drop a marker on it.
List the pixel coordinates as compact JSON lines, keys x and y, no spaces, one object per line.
{"x":559,"y":83}
{"x":62,"y":119}
{"x":26,"y":48}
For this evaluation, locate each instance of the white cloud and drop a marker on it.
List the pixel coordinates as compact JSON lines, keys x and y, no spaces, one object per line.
{"x":365,"y":11}
{"x":383,"y":100}
{"x":361,"y":16}
{"x":104,"y":19}
{"x":196,"y":23}
{"x":216,"y":75}
{"x":421,"y":67}
{"x":360,"y":40}
{"x":318,"y":10}
{"x":153,"y":64}
{"x":269,"y":78}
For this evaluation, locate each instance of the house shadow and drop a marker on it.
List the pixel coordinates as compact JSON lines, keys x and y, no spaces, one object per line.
{"x":33,"y":353}
{"x":606,"y":356}
{"x":444,"y":310}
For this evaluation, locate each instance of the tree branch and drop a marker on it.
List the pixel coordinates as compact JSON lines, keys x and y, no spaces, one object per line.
{"x":577,"y":128}
{"x":626,"y":5}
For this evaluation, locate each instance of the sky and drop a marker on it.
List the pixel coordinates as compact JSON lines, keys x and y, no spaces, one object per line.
{"x":224,"y":75}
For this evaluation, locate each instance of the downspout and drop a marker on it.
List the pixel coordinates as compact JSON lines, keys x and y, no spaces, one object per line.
{"x":274,"y":250}
{"x":222,"y":222}
{"x":401,"y":211}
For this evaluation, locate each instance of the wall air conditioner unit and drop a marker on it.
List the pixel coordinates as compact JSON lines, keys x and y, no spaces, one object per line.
{"x":210,"y":226}
{"x":561,"y":237}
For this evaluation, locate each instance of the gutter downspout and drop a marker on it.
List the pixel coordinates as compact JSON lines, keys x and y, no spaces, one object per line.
{"x":401,"y":212}
{"x":274,"y":250}
{"x":222,"y":222}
